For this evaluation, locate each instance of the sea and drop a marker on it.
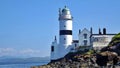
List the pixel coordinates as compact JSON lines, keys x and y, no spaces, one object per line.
{"x":22,"y":65}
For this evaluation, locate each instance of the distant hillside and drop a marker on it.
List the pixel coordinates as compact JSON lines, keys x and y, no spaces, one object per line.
{"x":12,"y":60}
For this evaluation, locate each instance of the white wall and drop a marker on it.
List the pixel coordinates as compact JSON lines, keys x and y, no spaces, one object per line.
{"x":65,"y":25}
{"x":100,"y":41}
{"x":67,"y":40}
{"x":54,"y":54}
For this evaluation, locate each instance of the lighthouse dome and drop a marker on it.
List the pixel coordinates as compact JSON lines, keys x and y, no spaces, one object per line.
{"x":65,"y":9}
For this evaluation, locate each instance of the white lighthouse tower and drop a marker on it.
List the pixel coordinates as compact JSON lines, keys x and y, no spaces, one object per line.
{"x":65,"y":33}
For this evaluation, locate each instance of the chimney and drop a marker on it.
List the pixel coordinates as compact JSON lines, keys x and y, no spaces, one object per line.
{"x":104,"y":30}
{"x":55,"y":38}
{"x":79,"y":31}
{"x":100,"y":31}
{"x":91,"y":31}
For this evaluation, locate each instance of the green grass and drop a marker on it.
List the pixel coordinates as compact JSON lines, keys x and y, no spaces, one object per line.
{"x":115,"y":40}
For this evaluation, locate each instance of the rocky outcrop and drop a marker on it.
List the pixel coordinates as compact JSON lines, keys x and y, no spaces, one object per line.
{"x":84,"y":60}
{"x":78,"y":60}
{"x":104,"y":58}
{"x":72,"y":60}
{"x":110,"y":53}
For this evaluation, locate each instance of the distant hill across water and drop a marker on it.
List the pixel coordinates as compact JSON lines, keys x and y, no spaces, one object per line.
{"x":14,"y":60}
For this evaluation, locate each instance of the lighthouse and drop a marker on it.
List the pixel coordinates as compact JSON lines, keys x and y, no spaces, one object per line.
{"x":65,"y":31}
{"x":59,"y":50}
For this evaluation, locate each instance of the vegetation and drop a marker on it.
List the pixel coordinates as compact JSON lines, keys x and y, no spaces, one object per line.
{"x":90,"y":52}
{"x":115,"y":40}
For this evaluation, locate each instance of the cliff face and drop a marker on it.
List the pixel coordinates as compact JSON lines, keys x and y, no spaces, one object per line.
{"x":83,"y":60}
{"x":72,"y":60}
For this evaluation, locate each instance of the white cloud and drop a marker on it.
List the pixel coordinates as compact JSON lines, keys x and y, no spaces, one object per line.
{"x":22,"y":53}
{"x":7,"y":51}
{"x":29,"y":51}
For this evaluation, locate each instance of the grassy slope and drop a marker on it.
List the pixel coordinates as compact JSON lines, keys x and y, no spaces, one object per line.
{"x":115,"y":40}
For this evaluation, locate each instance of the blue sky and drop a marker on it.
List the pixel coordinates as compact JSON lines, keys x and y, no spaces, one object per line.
{"x":27,"y":27}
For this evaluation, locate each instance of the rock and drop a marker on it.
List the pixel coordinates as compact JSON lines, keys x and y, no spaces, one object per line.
{"x":81,"y":61}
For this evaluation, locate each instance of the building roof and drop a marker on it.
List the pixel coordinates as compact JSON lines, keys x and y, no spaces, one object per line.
{"x":65,"y":9}
{"x":103,"y":34}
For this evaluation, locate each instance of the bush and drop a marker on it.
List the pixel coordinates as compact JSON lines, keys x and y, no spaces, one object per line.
{"x":115,"y":40}
{"x":90,"y":52}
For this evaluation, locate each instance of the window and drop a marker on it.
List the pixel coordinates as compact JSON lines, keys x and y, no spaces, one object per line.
{"x":75,"y":45}
{"x":52,"y":48}
{"x":64,"y":38}
{"x":85,"y":42}
{"x":85,"y":36}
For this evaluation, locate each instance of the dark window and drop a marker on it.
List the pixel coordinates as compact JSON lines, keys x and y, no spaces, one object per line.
{"x":85,"y":42}
{"x":85,"y":36}
{"x":64,"y":38}
{"x":64,"y":26}
{"x":75,"y":45}
{"x":52,"y":48}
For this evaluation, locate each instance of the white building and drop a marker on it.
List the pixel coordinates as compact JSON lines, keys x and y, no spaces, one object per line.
{"x":86,"y":38}
{"x":101,"y":40}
